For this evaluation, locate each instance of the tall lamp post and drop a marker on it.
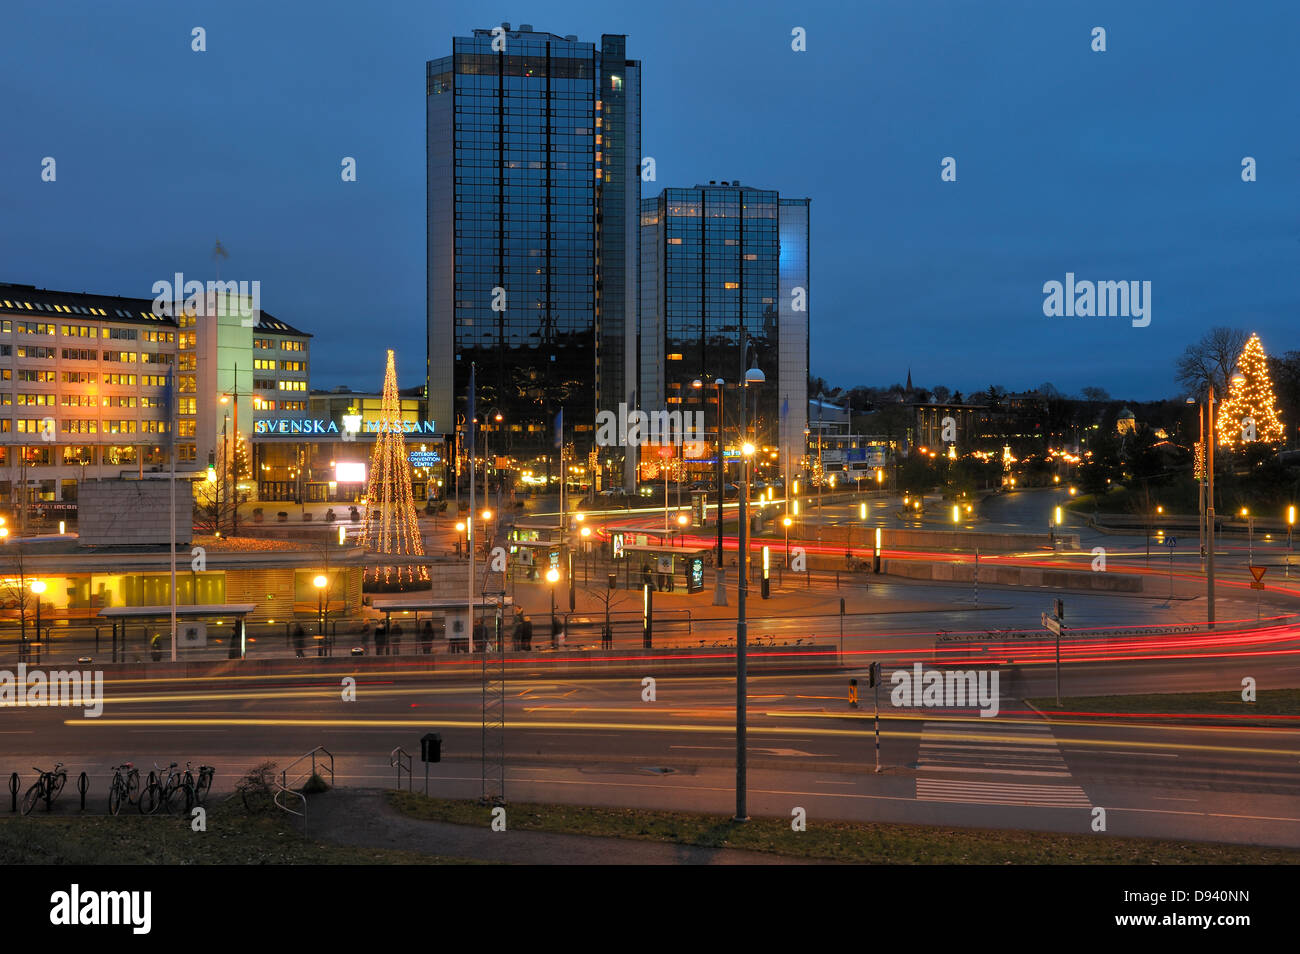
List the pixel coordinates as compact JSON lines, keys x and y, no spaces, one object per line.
{"x":1210,"y":440}
{"x":753,"y":376}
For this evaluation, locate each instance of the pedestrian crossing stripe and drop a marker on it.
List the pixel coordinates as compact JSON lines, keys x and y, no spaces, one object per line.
{"x":993,"y":793}
{"x":1022,"y":751}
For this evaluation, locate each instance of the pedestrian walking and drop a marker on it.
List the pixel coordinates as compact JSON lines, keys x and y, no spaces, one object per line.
{"x":299,"y":638}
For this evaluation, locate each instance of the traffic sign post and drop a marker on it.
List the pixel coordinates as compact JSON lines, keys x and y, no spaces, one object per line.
{"x":873,"y":679}
{"x":1053,"y":625}
{"x":1258,"y":585}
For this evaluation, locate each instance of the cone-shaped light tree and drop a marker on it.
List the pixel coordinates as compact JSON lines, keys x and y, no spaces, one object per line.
{"x":1249,"y":413}
{"x":391,"y":525}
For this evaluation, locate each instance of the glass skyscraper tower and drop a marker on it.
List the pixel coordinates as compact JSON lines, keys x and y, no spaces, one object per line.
{"x":722,"y":264}
{"x":533,"y":157}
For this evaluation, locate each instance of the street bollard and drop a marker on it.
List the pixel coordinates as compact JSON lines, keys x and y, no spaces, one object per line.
{"x":83,"y":783}
{"x":13,"y":792}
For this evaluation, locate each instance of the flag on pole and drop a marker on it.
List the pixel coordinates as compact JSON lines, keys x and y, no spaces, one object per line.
{"x":559,"y":428}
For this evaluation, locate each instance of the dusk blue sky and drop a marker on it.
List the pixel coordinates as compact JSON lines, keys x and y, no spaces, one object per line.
{"x":1117,"y":165}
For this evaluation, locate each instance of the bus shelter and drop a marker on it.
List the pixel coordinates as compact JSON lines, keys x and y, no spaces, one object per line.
{"x":191,"y":626}
{"x":455,"y":613}
{"x":668,"y":567}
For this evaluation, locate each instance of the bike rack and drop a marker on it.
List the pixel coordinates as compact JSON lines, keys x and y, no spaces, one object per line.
{"x":395,"y":758}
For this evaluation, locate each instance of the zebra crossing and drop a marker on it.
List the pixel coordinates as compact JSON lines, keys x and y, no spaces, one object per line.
{"x":1010,"y":752}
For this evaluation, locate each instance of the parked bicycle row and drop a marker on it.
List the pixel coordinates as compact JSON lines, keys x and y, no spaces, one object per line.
{"x":168,"y":789}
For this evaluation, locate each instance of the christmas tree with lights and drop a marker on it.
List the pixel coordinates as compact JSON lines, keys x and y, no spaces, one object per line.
{"x":1249,"y":413}
{"x":391,"y":525}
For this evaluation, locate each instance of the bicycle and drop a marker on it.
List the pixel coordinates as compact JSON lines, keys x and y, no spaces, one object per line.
{"x":204,"y":783}
{"x":257,"y":788}
{"x":179,"y":793}
{"x":47,"y":786}
{"x":121,"y":788}
{"x":157,"y":793}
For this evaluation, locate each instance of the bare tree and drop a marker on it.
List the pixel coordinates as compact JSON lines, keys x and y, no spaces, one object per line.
{"x":17,"y":593}
{"x":1095,"y":394}
{"x":1210,"y":361}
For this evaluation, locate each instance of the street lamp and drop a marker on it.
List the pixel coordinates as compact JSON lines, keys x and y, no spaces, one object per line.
{"x":1210,"y":440}
{"x":754,"y":377}
{"x":1250,"y":531}
{"x":460,"y":535}
{"x":319,"y":583}
{"x":787,"y":521}
{"x":1290,"y":526}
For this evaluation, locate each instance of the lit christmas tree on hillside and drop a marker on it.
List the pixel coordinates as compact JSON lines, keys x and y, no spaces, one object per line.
{"x":1249,"y":413}
{"x":391,"y":525}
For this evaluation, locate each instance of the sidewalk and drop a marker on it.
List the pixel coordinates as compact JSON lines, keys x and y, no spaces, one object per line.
{"x":363,"y":817}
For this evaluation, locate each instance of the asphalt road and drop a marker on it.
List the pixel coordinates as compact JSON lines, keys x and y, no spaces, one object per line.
{"x":597,"y":741}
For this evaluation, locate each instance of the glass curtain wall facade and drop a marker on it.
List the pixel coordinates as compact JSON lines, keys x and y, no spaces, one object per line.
{"x":529,"y":151}
{"x":710,"y":279}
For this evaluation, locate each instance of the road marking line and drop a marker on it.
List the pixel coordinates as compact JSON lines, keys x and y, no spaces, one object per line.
{"x":989,"y":771}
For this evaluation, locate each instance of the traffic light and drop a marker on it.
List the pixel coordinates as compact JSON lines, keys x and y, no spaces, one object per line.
{"x":613,"y":581}
{"x":873,"y":675}
{"x":212,"y":467}
{"x":1060,"y":609}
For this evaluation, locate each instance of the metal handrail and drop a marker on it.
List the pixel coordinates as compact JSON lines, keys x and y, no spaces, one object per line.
{"x":281,"y":790}
{"x":315,"y":767}
{"x":395,"y":758}
{"x":597,"y":616}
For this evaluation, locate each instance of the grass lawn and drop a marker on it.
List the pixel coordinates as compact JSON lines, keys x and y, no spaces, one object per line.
{"x":1271,"y":702}
{"x":232,"y":838}
{"x":839,"y":841}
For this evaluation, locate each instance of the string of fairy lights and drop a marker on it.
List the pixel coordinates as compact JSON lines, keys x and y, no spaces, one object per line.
{"x":1249,"y":412}
{"x":391,"y":524}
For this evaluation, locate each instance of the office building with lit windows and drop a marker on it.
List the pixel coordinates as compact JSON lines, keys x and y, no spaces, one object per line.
{"x":84,"y":386}
{"x":722,"y":264}
{"x":533,"y":159}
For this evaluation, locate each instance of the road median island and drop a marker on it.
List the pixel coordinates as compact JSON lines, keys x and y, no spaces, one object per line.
{"x":869,"y":843}
{"x":1273,"y":707}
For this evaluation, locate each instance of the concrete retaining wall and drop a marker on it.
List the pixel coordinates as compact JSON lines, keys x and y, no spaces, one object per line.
{"x":994,"y":574}
{"x":631,"y":662}
{"x":133,"y":512}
